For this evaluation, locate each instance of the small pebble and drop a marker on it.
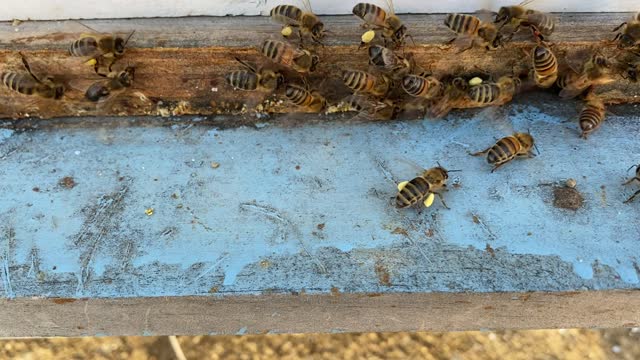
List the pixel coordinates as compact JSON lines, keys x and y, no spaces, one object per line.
{"x":149,"y":211}
{"x":571,"y":183}
{"x":215,"y":165}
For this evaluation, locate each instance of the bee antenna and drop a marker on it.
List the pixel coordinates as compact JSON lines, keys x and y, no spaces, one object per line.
{"x":457,"y":170}
{"x":632,"y":166}
{"x":129,"y":37}
{"x":536,"y":147}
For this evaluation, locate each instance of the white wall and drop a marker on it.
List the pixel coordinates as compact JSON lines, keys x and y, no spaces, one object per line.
{"x":87,"y":9}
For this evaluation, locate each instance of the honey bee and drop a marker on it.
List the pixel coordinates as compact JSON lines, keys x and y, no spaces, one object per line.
{"x":592,"y":114}
{"x":117,"y":80}
{"x":30,"y":84}
{"x":545,"y":66}
{"x":99,"y":45}
{"x":364,"y":82}
{"x":454,"y":95}
{"x":251,"y":78}
{"x":629,"y":38}
{"x":310,"y":101}
{"x":631,"y":72}
{"x":423,"y":188}
{"x":387,"y":60}
{"x":542,"y":23}
{"x":637,"y":177}
{"x":471,"y":27}
{"x":305,"y":21}
{"x":300,"y":60}
{"x":594,"y":72}
{"x":427,"y":87}
{"x":566,"y":77}
{"x":508,"y":148}
{"x":392,"y":28}
{"x":371,"y":109}
{"x":494,"y":93}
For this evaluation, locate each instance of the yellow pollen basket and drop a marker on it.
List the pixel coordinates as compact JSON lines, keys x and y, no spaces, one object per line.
{"x":368,"y":36}
{"x":286,"y":31}
{"x":429,"y":200}
{"x":402,"y":185}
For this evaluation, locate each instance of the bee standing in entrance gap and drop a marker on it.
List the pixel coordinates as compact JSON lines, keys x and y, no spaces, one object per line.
{"x":117,"y":80}
{"x":282,"y":53}
{"x":310,"y":101}
{"x":592,"y":114}
{"x":96,"y":46}
{"x":637,"y":177}
{"x":427,"y":87}
{"x":393,"y":29}
{"x":494,"y":94}
{"x":508,"y":148}
{"x":519,"y":16}
{"x":475,"y":30}
{"x":253,"y":79}
{"x":545,"y":65}
{"x":423,"y":188}
{"x":388,"y":61}
{"x":30,"y":84}
{"x":306,"y":21}
{"x":364,"y":82}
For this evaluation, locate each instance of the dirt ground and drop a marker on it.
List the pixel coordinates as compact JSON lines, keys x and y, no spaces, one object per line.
{"x":616,"y":344}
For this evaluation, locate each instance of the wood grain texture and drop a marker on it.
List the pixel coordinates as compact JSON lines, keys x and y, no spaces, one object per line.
{"x":181,"y":62}
{"x":300,"y":313}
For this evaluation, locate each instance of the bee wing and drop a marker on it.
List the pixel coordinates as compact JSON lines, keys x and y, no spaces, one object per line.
{"x":526,"y":2}
{"x":576,"y":59}
{"x":484,"y":14}
{"x":575,"y":87}
{"x":390,"y":7}
{"x":306,"y":6}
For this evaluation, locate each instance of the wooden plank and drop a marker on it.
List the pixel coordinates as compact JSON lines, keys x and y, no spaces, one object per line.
{"x":78,"y":9}
{"x":181,"y":62}
{"x":301,"y":313}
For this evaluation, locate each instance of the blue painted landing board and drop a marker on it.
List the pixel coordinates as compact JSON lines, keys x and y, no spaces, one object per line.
{"x":310,"y":209}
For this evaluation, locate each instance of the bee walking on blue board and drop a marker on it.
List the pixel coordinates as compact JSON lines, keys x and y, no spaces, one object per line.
{"x":508,"y":148}
{"x":637,"y":177}
{"x":423,"y":188}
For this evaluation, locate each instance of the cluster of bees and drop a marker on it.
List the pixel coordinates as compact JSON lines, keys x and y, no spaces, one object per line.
{"x":390,"y":71}
{"x":100,"y":51}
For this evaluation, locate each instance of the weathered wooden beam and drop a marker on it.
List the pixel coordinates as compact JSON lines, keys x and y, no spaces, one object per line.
{"x":181,"y":62}
{"x":305,"y":313}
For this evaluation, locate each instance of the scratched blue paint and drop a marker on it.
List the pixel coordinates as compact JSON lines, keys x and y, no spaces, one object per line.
{"x":246,"y":226}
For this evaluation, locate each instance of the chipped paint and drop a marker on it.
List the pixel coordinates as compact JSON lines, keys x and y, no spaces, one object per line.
{"x":329,"y":227}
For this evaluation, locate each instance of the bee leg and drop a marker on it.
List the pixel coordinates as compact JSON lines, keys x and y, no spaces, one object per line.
{"x":445,"y":204}
{"x":630,"y":181}
{"x":632,"y":197}
{"x":497,"y":166}
{"x":619,"y":27}
{"x":480,"y":152}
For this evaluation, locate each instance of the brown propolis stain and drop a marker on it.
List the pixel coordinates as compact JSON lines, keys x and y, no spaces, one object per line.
{"x":67,"y":182}
{"x":567,"y":198}
{"x":490,"y":250}
{"x":400,"y":231}
{"x":335,"y":291}
{"x":63,"y":300}
{"x":383,"y":274}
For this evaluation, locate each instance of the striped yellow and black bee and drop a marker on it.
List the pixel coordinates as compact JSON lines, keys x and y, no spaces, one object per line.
{"x":30,"y":84}
{"x":423,"y":188}
{"x":297,"y":59}
{"x":508,"y":148}
{"x":494,"y":93}
{"x":545,"y":66}
{"x":99,"y":45}
{"x":426,"y":87}
{"x":392,"y":28}
{"x":252,"y":78}
{"x":592,"y":114}
{"x":635,"y":178}
{"x":454,"y":96}
{"x":366,"y":82}
{"x":306,"y":100}
{"x":116,"y":80}
{"x":471,"y":28}
{"x":304,"y":20}
{"x":518,"y":15}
